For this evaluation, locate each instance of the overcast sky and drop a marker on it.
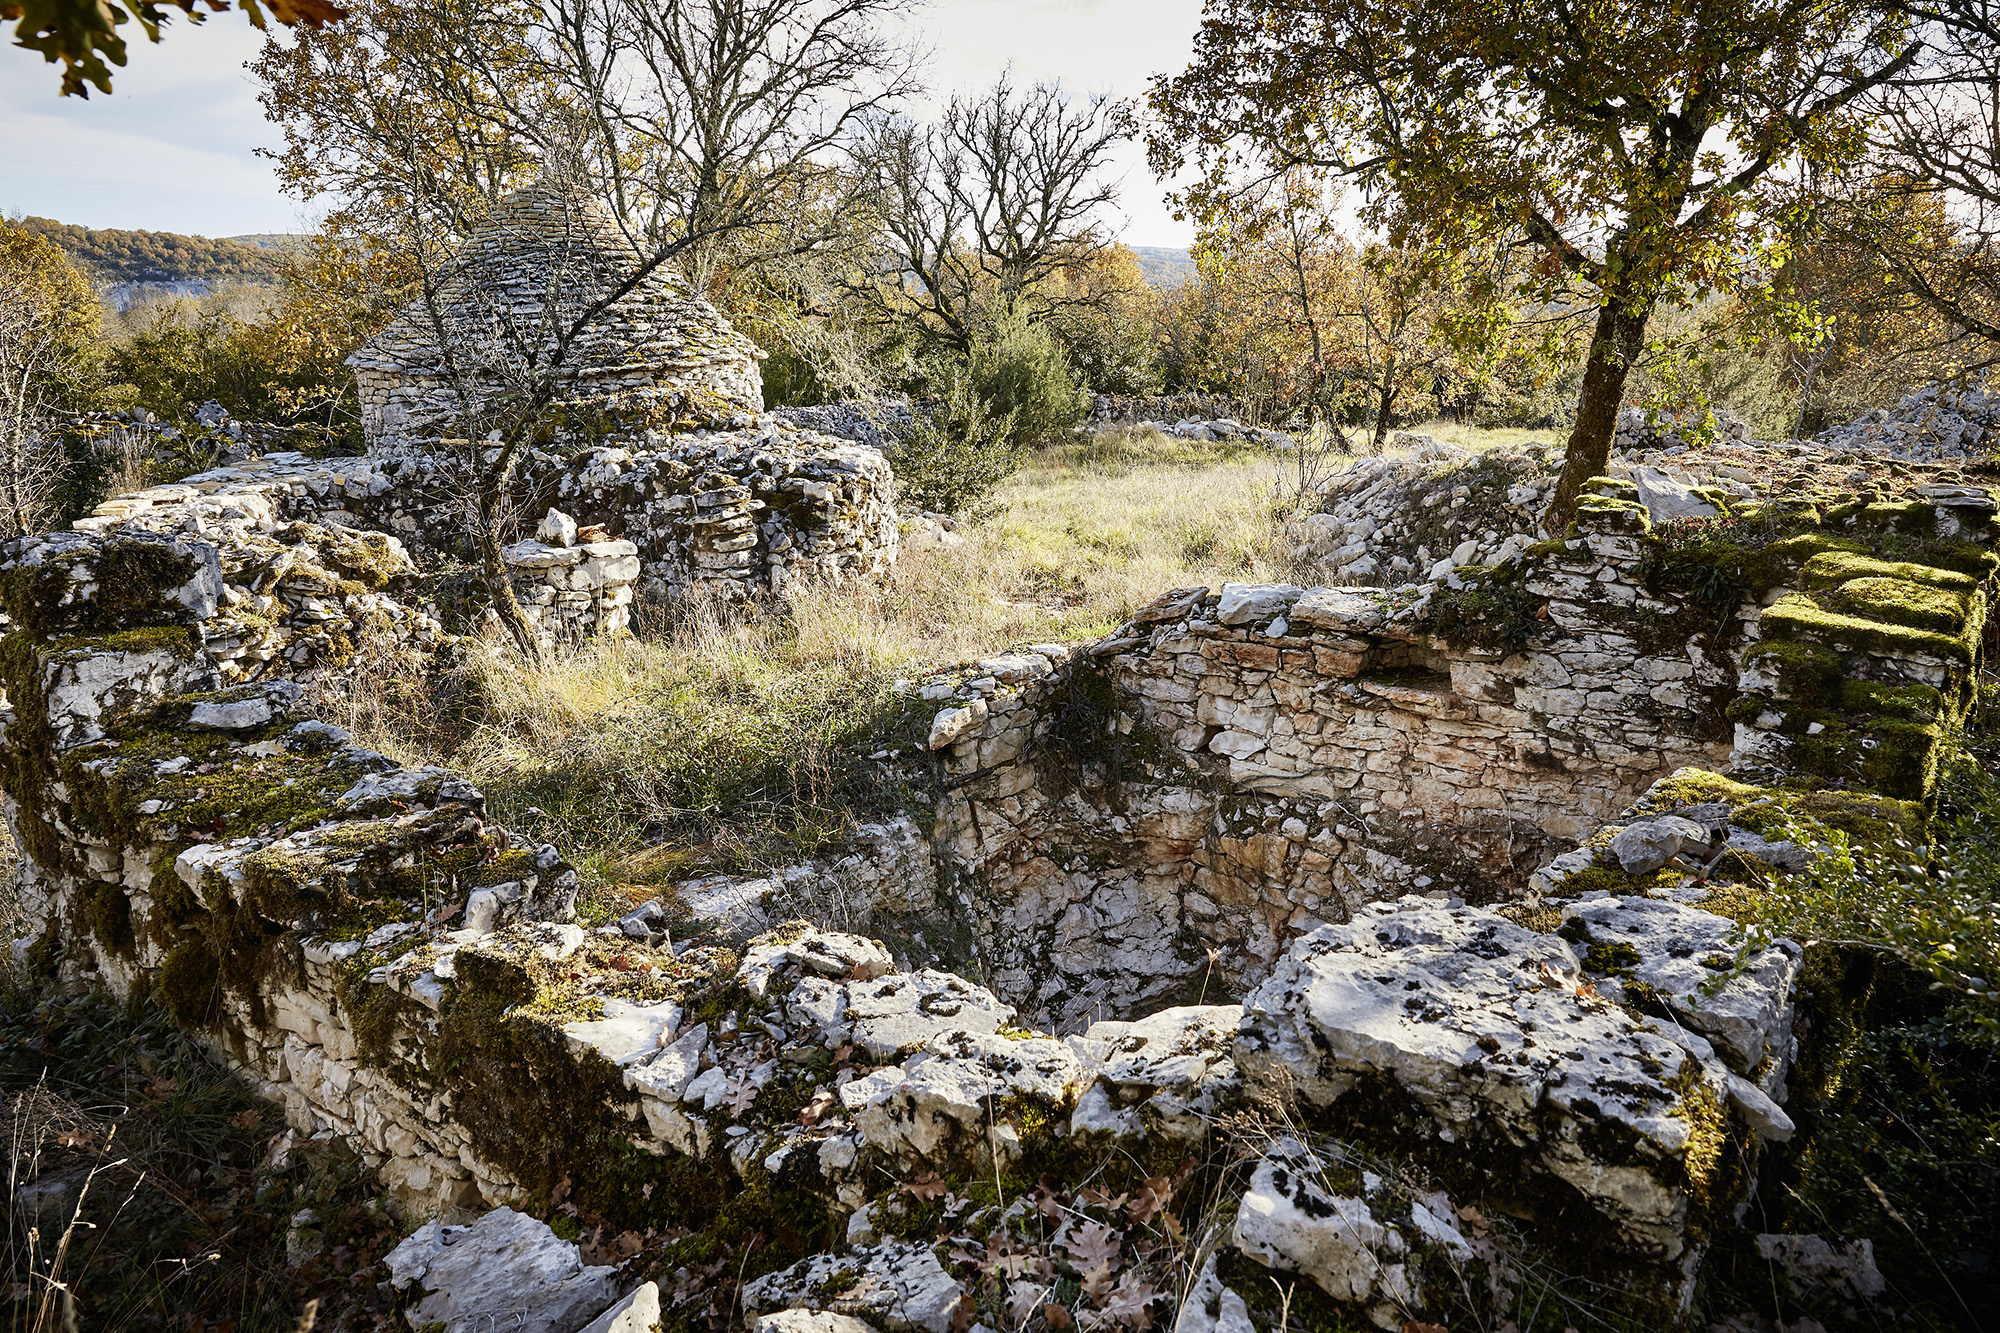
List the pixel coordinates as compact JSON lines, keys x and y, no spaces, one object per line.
{"x":173,"y":148}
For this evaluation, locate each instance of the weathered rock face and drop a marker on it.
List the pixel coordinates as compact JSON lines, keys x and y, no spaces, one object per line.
{"x":1230,"y":770}
{"x":503,"y":1268}
{"x":732,"y":515}
{"x":1491,"y":1038}
{"x":1154,"y":817}
{"x":544,"y":258}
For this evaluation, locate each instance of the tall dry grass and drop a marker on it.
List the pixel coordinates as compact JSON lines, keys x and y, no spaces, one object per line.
{"x":716,"y":742}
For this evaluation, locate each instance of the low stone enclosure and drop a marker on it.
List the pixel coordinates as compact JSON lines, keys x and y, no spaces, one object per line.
{"x":1341,"y":936}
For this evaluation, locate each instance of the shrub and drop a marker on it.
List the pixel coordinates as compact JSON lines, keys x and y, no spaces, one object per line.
{"x":1020,"y":371}
{"x":954,"y":452}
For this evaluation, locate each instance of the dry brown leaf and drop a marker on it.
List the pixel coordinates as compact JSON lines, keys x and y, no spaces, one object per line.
{"x":930,"y":1185}
{"x":1090,"y":1243}
{"x":1152,"y":1196}
{"x":1096,"y":1281}
{"x":823,"y":1100}
{"x":1131,"y":1301}
{"x":1023,"y":1299}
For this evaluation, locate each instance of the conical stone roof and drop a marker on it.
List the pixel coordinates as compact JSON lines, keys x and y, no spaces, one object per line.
{"x":544,"y":258}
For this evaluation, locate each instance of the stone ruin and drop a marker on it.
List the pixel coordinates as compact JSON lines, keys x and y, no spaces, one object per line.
{"x":1391,"y":921}
{"x":546,"y":258}
{"x":669,"y":482}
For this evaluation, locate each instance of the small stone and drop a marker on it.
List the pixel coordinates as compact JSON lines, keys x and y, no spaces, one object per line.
{"x":557,"y":529}
{"x":1242,"y":603}
{"x":1645,"y":847}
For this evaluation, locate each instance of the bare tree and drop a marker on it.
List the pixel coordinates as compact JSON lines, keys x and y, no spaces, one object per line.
{"x":1937,"y":137}
{"x":703,"y":121}
{"x":982,"y":209}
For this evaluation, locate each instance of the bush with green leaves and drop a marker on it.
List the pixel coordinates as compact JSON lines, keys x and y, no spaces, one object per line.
{"x":954,"y":452}
{"x":1020,"y":371}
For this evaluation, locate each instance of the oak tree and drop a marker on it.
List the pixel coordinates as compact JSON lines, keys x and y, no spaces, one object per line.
{"x":1649,"y":153}
{"x":83,"y":34}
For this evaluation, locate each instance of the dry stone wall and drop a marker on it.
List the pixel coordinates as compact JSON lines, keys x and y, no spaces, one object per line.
{"x":1602,"y":1060}
{"x":1159,"y":815}
{"x":728,"y":515}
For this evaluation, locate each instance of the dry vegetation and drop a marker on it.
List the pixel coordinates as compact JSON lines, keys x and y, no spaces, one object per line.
{"x":711,"y":742}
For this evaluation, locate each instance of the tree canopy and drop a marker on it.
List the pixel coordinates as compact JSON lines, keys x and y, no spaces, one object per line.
{"x":1648,"y":153}
{"x":138,"y":255}
{"x":83,"y":34}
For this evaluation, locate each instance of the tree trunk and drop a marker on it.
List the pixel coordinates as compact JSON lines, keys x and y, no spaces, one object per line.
{"x":492,"y":485}
{"x":1382,"y":409}
{"x":1614,"y":349}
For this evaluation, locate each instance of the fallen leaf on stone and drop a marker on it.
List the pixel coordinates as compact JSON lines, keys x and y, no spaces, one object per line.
{"x":740,"y":1097}
{"x":1475,"y":1219}
{"x":930,"y":1185}
{"x":823,"y":1100}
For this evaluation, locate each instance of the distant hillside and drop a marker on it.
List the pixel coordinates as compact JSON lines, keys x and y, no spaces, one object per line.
{"x":272,"y":240}
{"x":1164,"y":267}
{"x":159,"y":256}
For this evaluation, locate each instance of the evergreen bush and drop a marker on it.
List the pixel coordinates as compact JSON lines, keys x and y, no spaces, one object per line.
{"x":954,"y":451}
{"x":1020,"y":371}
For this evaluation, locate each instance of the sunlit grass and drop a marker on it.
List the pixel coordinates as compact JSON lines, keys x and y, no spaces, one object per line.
{"x":710,"y":742}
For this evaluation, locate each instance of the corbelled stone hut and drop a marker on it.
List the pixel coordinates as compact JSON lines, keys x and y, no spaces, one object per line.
{"x":545,"y":257}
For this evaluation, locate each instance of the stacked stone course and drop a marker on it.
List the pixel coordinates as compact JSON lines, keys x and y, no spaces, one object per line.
{"x":221,"y":848}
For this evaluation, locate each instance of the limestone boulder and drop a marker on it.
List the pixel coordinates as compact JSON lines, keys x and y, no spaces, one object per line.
{"x":1649,"y":845}
{"x":1666,"y":499}
{"x":896,"y":1015}
{"x":1355,"y":1238}
{"x":637,"y":1313}
{"x":507,"y":1270}
{"x":958,"y":1103}
{"x":1702,"y":967}
{"x":1479,"y":1031}
{"x":828,"y":953}
{"x":1242,"y":603}
{"x":809,"y":1321}
{"x":1167,"y":1074}
{"x":895,"y":1286}
{"x":1212,"y":1306}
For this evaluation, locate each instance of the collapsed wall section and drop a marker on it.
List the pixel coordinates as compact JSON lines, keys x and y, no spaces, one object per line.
{"x":404,"y":976}
{"x":719,"y":514}
{"x":1157,"y":816}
